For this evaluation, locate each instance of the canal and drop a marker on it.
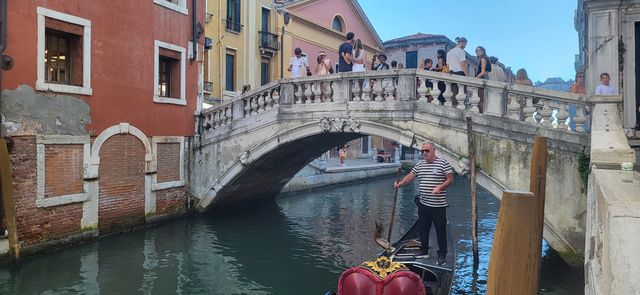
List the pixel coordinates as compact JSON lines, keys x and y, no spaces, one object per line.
{"x":298,"y":244}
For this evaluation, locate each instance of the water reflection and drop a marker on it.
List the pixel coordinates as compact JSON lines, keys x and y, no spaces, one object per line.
{"x":297,"y":245}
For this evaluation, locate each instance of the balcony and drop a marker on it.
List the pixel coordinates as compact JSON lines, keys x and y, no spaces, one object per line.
{"x":208,"y":87}
{"x":269,"y":44}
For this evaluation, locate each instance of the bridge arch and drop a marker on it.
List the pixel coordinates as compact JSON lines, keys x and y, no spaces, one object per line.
{"x":317,"y":141}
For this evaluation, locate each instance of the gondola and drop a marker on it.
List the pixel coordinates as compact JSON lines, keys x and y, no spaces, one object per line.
{"x":400,"y":269}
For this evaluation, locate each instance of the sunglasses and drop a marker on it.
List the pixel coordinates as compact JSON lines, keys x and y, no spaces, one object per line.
{"x":425,"y":151}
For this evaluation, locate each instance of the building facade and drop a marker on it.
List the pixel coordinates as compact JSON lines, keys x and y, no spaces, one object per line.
{"x":609,"y":41}
{"x":100,"y":106}
{"x":243,"y":47}
{"x":412,"y":50}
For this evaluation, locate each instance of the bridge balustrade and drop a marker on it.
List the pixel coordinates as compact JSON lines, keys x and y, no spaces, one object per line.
{"x":514,"y":102}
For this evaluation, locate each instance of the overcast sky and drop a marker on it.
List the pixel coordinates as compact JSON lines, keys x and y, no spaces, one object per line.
{"x":537,"y":35}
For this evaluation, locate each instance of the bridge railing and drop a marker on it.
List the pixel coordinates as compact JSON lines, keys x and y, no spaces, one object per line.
{"x":547,"y":108}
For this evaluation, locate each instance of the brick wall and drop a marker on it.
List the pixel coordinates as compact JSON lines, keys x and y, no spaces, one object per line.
{"x":37,"y":224}
{"x":168,"y":168}
{"x":173,"y":200}
{"x":121,"y":183}
{"x":63,"y":170}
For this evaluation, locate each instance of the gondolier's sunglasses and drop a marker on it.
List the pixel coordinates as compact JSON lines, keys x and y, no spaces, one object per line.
{"x":425,"y":151}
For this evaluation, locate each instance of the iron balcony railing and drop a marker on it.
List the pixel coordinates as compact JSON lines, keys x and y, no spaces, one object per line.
{"x":232,"y":25}
{"x":269,"y":41}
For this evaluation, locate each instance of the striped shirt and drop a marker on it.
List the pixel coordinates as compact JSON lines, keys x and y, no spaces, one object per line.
{"x":429,"y":176}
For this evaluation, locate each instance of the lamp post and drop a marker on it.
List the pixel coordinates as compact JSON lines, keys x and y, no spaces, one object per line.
{"x":287,"y":17}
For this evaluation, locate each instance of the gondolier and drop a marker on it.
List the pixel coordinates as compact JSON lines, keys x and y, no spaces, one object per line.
{"x":434,"y":176}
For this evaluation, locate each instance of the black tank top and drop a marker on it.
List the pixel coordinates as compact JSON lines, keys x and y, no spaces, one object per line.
{"x":480,"y":65}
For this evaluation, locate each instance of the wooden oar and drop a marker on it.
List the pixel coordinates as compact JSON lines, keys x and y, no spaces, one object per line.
{"x":393,"y":211}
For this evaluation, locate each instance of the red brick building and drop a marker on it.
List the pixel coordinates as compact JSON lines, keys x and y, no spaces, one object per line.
{"x":100,"y":103}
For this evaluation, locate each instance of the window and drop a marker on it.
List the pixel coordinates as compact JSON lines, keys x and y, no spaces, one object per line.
{"x":233,"y":15}
{"x":57,"y":57}
{"x":230,"y":72}
{"x":164,"y":84}
{"x":64,"y":53}
{"x":169,"y":73}
{"x":177,"y":5}
{"x":337,"y":24}
{"x":411,"y":59}
{"x":264,"y":72}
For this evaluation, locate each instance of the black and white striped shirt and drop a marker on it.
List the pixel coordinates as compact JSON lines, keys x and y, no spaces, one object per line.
{"x":429,"y":176}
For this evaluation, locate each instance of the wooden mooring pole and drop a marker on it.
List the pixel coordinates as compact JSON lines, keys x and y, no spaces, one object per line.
{"x":474,"y":199}
{"x":514,"y":265}
{"x":7,"y":200}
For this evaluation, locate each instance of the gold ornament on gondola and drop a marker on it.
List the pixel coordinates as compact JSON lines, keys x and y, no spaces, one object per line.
{"x":383,"y":267}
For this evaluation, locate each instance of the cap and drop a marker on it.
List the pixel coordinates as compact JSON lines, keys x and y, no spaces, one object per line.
{"x":321,"y":53}
{"x":382,"y":54}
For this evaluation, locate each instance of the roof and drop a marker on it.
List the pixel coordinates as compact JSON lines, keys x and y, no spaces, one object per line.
{"x":418,"y":39}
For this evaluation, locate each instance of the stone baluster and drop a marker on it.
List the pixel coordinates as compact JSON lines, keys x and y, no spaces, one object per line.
{"x":206,"y":122}
{"x":461,"y":97}
{"x":259,"y":103}
{"x":448,"y":95}
{"x":580,"y":118}
{"x":308,"y":94}
{"x":247,"y":107}
{"x":474,"y":100}
{"x":528,"y":110}
{"x":423,"y":90}
{"x":327,"y":92}
{"x":562,"y":116}
{"x":377,"y":90}
{"x":223,"y":116}
{"x":276,"y":97}
{"x":317,"y":92}
{"x":356,"y":90}
{"x":546,"y":113}
{"x":268,"y":100}
{"x":228,"y":113}
{"x":298,"y":94}
{"x":215,"y":119}
{"x":366,"y":90}
{"x":389,"y":89}
{"x":434,"y":91}
{"x":513,"y":107}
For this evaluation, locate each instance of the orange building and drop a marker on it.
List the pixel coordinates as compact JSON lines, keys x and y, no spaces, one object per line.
{"x":100,"y":105}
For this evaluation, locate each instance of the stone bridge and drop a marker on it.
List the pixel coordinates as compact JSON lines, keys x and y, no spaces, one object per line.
{"x":248,"y":149}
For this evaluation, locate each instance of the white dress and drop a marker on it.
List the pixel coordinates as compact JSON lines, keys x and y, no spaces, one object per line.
{"x":356,"y":66}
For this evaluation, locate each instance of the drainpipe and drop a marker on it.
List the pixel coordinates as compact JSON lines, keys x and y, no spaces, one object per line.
{"x":194,"y":29}
{"x":282,"y":54}
{"x":3,"y":45}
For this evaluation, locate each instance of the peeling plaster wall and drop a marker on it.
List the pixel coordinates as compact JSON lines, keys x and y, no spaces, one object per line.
{"x":25,"y":112}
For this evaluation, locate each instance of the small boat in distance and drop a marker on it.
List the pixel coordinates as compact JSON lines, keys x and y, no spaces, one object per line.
{"x":400,"y":269}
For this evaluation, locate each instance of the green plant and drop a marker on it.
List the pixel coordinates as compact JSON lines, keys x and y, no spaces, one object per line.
{"x":583,"y":166}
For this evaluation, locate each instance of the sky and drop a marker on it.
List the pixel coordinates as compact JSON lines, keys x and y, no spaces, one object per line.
{"x":537,"y":35}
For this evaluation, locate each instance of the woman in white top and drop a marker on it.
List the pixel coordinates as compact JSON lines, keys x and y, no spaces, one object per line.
{"x":359,"y":57}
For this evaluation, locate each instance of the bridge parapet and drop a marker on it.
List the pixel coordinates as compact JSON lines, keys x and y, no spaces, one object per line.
{"x":527,"y":104}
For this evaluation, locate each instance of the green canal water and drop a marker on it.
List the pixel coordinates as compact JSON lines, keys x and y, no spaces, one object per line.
{"x":298,"y":244}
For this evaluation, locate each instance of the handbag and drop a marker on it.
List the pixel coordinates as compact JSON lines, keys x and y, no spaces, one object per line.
{"x":445,"y":69}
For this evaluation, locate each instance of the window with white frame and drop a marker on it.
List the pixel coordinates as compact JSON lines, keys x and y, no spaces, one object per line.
{"x":177,"y":5}
{"x":169,"y":73}
{"x":64,"y":53}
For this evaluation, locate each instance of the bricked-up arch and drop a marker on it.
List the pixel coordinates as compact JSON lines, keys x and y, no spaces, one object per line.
{"x":121,"y":198}
{"x":91,"y":208}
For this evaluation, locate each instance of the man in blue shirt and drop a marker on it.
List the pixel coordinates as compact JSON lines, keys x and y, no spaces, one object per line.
{"x":345,"y":51}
